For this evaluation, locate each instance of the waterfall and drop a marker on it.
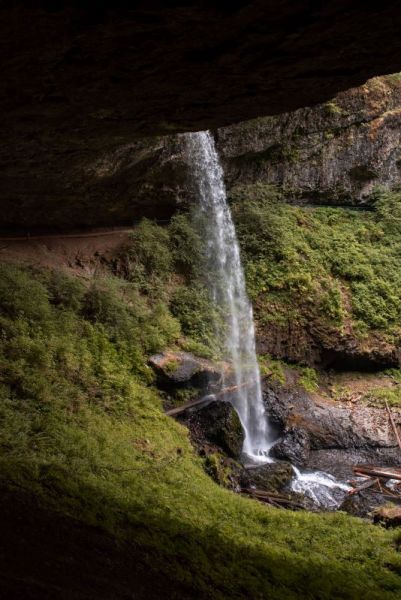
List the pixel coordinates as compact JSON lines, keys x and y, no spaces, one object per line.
{"x":226,"y":284}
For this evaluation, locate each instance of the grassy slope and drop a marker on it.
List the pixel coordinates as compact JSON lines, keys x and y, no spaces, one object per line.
{"x":82,"y":426}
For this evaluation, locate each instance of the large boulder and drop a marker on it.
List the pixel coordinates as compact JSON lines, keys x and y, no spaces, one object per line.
{"x":294,"y":446}
{"x":327,"y":424}
{"x":218,"y":423}
{"x":183,"y":368}
{"x":271,"y":477}
{"x":389,"y":515}
{"x":224,"y":470}
{"x":362,"y":504}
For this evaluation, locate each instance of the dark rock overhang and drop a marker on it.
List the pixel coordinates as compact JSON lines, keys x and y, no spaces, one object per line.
{"x":83,"y":78}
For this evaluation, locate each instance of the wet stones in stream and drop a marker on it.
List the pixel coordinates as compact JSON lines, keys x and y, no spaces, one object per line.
{"x":362,"y":504}
{"x":294,"y":446}
{"x":271,"y":477}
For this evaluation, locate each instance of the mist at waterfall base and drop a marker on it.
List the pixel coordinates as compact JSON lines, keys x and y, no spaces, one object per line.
{"x":226,"y":284}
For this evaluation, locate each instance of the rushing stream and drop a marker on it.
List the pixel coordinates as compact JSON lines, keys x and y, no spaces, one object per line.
{"x":227,"y":287}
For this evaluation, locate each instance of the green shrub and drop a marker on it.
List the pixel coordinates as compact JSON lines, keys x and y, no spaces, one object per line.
{"x":274,"y":369}
{"x":22,"y":296}
{"x":64,"y":291}
{"x":198,"y":317}
{"x":186,"y":245}
{"x":308,"y":379}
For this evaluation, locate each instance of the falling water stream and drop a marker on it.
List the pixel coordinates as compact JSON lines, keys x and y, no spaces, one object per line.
{"x":226,"y":283}
{"x":227,"y":286}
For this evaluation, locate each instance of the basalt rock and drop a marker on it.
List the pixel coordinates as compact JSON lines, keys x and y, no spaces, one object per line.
{"x":271,"y":477}
{"x":313,"y":424}
{"x":218,"y":422}
{"x":334,"y":153}
{"x":294,"y":446}
{"x":316,"y":342}
{"x":177,"y":369}
{"x":361,"y":504}
{"x":81,"y":83}
{"x":223,"y":469}
{"x":389,"y":516}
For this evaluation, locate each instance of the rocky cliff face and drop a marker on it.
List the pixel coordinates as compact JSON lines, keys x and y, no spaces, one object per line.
{"x":333,"y":153}
{"x":80,"y":80}
{"x":336,"y":152}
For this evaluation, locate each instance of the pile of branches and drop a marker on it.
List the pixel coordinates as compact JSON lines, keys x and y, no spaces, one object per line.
{"x":376,"y":480}
{"x":273,"y":498}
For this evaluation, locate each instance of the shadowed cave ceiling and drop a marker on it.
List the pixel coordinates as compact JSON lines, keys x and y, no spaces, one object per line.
{"x":83,"y":79}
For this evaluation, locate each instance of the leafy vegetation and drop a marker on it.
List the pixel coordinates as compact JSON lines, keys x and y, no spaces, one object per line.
{"x":275,"y":369}
{"x":308,"y":379}
{"x":164,"y":263}
{"x":330,"y":264}
{"x":83,"y":428}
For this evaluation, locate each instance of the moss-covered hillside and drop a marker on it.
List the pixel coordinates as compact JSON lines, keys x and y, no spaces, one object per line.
{"x":82,"y":426}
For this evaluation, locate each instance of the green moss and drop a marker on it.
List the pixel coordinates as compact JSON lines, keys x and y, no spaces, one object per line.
{"x":308,"y":379}
{"x":171,"y":366}
{"x":332,"y":108}
{"x":83,"y":428}
{"x":220,"y":469}
{"x":379,"y":395}
{"x":274,"y":369}
{"x":192,"y":306}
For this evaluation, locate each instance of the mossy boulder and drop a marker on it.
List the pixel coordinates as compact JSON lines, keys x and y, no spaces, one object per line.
{"x":362,"y":504}
{"x":218,"y":423}
{"x":182,"y":368}
{"x":224,"y":470}
{"x":272,"y":477}
{"x":389,"y":515}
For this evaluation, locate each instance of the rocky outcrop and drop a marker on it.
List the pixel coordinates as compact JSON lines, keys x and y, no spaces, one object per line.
{"x":389,"y":516}
{"x":217,"y":423}
{"x":362,"y":504}
{"x":315,"y":425}
{"x":317,"y":342}
{"x":334,"y":153}
{"x":271,"y":477}
{"x":183,"y":368}
{"x":82,"y":82}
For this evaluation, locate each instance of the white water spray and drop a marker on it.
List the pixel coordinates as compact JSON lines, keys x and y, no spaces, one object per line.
{"x":323,"y":489}
{"x":227,"y":287}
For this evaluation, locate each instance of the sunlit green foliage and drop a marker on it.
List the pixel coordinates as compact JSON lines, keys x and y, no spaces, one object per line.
{"x":308,"y":379}
{"x":197,"y":315}
{"x":165,"y":264}
{"x":328,"y":263}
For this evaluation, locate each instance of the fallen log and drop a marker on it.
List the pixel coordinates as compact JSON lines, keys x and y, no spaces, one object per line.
{"x":205,"y":399}
{"x":393,"y":425}
{"x":179,"y":409}
{"x":272,"y":498}
{"x":363,"y":486}
{"x":373,"y":471}
{"x":389,"y":497}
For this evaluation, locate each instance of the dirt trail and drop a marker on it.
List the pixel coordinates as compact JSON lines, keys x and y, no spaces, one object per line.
{"x":82,"y":253}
